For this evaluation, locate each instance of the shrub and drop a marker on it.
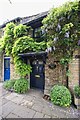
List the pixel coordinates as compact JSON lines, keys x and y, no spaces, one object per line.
{"x":77,"y":91}
{"x":21,"y":85}
{"x":9,"y":84}
{"x":60,"y":95}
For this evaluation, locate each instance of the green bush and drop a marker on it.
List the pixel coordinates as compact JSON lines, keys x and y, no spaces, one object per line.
{"x":21,"y":85}
{"x":9,"y":84}
{"x":60,"y":95}
{"x":77,"y":91}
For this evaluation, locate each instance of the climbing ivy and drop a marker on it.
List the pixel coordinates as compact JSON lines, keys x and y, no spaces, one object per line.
{"x":62,"y":29}
{"x":8,"y":38}
{"x":17,"y":40}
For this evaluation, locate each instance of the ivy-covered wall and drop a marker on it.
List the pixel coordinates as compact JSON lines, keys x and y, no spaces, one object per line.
{"x":62,"y":28}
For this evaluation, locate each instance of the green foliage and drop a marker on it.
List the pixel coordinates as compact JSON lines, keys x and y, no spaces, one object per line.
{"x":17,"y":40}
{"x":62,"y":27}
{"x":8,"y":38}
{"x":26,"y":44}
{"x":21,"y":85}
{"x":22,"y":68}
{"x":18,"y":85}
{"x":9,"y":29}
{"x":60,"y":95}
{"x":20,"y":31}
{"x":9,"y":84}
{"x":23,"y":45}
{"x":77,"y":91}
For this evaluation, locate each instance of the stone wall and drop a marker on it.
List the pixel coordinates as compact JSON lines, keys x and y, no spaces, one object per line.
{"x":13,"y":74}
{"x":58,"y":74}
{"x":74,"y":68}
{"x":1,"y":32}
{"x":53,"y":76}
{"x":1,"y":67}
{"x":1,"y":59}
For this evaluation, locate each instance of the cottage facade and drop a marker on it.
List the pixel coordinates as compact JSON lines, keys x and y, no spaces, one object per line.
{"x":43,"y":75}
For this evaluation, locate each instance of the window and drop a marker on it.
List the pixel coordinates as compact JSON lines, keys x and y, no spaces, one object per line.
{"x":38,"y":34}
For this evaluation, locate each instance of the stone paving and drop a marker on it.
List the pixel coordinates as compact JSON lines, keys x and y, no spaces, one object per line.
{"x":31,"y":105}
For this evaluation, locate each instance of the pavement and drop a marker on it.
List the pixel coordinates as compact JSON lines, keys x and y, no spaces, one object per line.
{"x":32,"y":105}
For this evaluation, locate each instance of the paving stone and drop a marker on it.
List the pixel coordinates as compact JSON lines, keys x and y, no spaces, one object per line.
{"x":41,"y":105}
{"x":11,"y":96}
{"x":17,"y":99}
{"x":4,"y":101}
{"x":0,"y":118}
{"x":31,"y":114}
{"x":71,"y":115}
{"x":5,"y":92}
{"x":37,"y":107}
{"x":0,"y":110}
{"x":35,"y":93}
{"x":7,"y":108}
{"x":0,"y":92}
{"x":29,"y":98}
{"x":59,"y":114}
{"x":32,"y":105}
{"x":38,"y":115}
{"x":11,"y":115}
{"x":0,"y":101}
{"x":47,"y":116}
{"x":24,"y":112}
{"x":47,"y":110}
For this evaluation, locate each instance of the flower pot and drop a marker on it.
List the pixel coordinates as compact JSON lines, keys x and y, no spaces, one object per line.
{"x":77,"y":102}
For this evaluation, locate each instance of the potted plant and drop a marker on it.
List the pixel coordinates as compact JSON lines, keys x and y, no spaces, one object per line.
{"x":77,"y":96}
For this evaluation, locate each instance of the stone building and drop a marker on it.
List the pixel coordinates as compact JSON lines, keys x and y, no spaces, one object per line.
{"x":46,"y":71}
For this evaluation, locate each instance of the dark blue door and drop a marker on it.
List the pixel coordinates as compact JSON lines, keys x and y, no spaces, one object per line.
{"x":6,"y":68}
{"x":37,"y":78}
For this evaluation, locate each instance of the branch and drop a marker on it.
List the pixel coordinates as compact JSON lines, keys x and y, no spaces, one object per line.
{"x":10,"y":1}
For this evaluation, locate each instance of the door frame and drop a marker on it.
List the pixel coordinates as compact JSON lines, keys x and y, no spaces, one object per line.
{"x":3,"y":66}
{"x":39,"y":73}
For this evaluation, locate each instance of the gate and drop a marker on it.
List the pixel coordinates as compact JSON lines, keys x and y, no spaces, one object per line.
{"x":37,"y":77}
{"x":6,"y":68}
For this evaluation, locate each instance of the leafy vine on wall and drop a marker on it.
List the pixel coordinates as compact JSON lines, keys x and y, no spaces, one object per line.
{"x":62,"y":30}
{"x":17,"y":40}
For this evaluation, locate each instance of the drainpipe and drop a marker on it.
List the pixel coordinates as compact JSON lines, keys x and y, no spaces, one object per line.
{"x":67,"y":68}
